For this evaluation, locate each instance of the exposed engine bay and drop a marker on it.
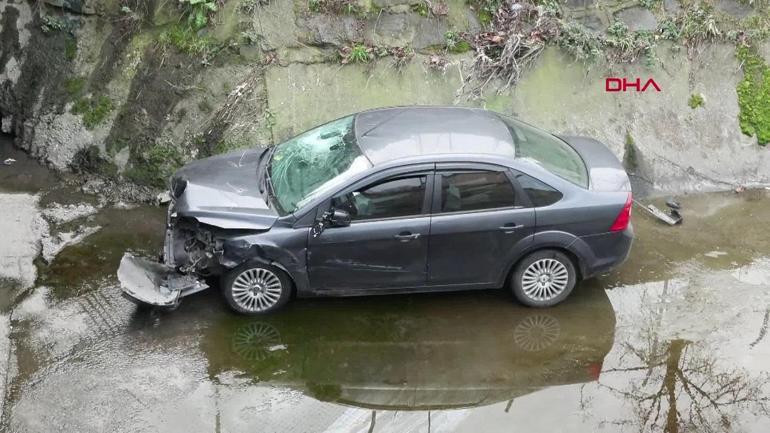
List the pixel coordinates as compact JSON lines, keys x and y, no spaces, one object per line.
{"x":191,"y":247}
{"x":191,"y":252}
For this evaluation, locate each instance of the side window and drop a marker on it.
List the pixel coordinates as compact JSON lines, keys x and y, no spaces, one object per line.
{"x":539,"y":193}
{"x":474,"y":190}
{"x":391,"y":198}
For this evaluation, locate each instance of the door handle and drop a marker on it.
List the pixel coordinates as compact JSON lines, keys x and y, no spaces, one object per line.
{"x":406,"y":236}
{"x":510,"y":227}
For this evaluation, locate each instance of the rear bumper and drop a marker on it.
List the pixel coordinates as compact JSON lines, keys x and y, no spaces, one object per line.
{"x":609,"y":250}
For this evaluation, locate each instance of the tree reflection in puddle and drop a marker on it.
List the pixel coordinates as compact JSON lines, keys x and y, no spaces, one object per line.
{"x":679,"y":367}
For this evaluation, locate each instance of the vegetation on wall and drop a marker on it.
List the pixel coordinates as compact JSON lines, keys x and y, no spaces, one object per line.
{"x":187,"y":37}
{"x":456,"y":42}
{"x":401,"y":56}
{"x":155,"y":166}
{"x":186,"y":40}
{"x":696,"y":100}
{"x":50,"y":23}
{"x":198,"y":11}
{"x":349,"y":7}
{"x":356,"y":53}
{"x":512,"y":36}
{"x":93,"y":109}
{"x":754,"y":95}
{"x":630,"y":159}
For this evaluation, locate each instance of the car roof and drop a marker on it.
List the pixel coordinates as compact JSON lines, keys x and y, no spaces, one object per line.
{"x":388,"y":134}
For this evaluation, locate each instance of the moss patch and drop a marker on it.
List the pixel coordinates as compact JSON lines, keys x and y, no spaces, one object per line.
{"x":754,"y":95}
{"x":94,"y":110}
{"x":155,"y":166}
{"x":187,"y":40}
{"x":630,"y":161}
{"x":70,"y":49}
{"x":696,"y":100}
{"x":74,"y":86}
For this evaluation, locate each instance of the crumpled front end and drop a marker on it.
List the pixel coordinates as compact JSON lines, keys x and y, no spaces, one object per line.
{"x":189,"y":253}
{"x":212,"y":200}
{"x":153,"y":283}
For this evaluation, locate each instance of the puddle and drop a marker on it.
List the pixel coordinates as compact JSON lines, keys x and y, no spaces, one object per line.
{"x":675,"y":340}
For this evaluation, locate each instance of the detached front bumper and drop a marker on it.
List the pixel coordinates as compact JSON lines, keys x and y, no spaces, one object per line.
{"x":153,"y":283}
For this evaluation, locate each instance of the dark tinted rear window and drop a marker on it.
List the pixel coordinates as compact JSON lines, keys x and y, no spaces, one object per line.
{"x":467,"y":191}
{"x":539,"y":193}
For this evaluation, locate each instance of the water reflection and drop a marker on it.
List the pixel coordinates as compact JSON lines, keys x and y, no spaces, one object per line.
{"x":411,"y":353}
{"x":686,"y":368}
{"x":684,"y":389}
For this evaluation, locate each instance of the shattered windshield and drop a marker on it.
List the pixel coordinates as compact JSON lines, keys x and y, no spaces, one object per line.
{"x":314,"y":162}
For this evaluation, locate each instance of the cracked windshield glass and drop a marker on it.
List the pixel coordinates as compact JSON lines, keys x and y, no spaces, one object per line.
{"x":313,"y":162}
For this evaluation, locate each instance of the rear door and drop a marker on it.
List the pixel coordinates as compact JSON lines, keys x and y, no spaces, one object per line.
{"x":386,"y":244}
{"x":478,"y":218}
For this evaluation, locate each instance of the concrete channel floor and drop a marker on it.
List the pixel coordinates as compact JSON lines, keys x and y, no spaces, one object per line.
{"x":673,"y":341}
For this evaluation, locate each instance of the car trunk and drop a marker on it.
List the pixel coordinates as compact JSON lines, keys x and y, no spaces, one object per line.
{"x":605,"y":171}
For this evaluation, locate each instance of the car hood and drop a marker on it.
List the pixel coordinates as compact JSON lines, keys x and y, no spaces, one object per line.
{"x":223,"y":191}
{"x":605,"y":171}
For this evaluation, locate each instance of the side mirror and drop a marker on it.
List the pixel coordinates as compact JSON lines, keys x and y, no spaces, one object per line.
{"x":339,"y":218}
{"x":332,"y":218}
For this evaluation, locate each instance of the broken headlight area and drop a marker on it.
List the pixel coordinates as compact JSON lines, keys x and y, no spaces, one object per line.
{"x":191,"y":252}
{"x":192,"y":247}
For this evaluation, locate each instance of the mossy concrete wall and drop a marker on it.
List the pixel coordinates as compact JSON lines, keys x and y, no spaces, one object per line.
{"x":677,"y":148}
{"x":272,"y":70}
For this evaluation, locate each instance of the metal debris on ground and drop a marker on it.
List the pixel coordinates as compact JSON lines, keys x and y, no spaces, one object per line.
{"x":671,"y":218}
{"x":9,"y":161}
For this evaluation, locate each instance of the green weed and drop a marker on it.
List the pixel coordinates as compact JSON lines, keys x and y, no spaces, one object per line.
{"x":696,"y":100}
{"x":753,"y":95}
{"x":186,"y":40}
{"x":74,"y":86}
{"x":93,"y":110}
{"x":358,"y":53}
{"x":198,"y":11}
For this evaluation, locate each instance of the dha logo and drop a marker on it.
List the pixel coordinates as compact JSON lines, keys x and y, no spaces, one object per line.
{"x":614,"y":84}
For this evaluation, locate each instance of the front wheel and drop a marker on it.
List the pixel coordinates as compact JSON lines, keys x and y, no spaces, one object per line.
{"x":543,"y":278}
{"x":256,"y":288}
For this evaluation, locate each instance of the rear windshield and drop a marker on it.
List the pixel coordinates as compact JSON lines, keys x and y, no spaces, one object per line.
{"x":547,"y":151}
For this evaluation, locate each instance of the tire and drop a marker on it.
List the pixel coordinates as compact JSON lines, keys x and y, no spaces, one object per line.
{"x":543,"y":278}
{"x":256,"y":288}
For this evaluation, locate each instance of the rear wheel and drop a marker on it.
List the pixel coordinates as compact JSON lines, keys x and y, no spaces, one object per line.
{"x":256,"y":288}
{"x":543,"y":278}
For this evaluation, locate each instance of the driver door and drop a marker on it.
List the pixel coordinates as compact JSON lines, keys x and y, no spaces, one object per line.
{"x":386,"y":244}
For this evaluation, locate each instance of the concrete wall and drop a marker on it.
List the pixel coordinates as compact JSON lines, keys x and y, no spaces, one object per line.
{"x":279,"y":73}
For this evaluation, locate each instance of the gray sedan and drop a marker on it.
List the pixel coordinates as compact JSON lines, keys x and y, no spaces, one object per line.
{"x":394,"y":200}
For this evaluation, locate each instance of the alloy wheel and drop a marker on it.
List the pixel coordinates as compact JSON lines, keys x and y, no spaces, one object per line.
{"x":256,"y":289}
{"x":544,"y":279}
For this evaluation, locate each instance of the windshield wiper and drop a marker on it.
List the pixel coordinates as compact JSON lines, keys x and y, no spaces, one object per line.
{"x":266,"y":156}
{"x":269,"y":184}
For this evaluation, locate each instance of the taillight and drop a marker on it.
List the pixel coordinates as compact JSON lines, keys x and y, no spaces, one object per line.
{"x":594,"y":370}
{"x":624,"y":217}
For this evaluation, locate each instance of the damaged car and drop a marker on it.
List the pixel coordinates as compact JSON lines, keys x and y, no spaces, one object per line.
{"x":394,"y":200}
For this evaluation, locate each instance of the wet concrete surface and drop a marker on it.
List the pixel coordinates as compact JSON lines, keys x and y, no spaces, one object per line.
{"x":675,"y":340}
